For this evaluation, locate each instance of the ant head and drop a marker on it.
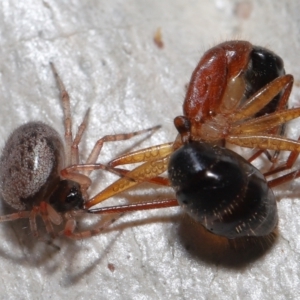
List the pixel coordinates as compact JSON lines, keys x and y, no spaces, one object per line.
{"x":183,"y":125}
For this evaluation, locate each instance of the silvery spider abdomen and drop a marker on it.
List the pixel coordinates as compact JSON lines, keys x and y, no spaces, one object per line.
{"x":30,"y":165}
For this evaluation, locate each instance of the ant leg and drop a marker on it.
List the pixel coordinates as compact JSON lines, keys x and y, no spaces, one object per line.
{"x":265,"y":141}
{"x":265,"y":95}
{"x":264,"y":123}
{"x":71,"y":173}
{"x":269,"y":123}
{"x":142,"y":173}
{"x":285,"y":166}
{"x":257,"y":154}
{"x":119,"y":210}
{"x":67,"y":115}
{"x":250,"y":133}
{"x":156,"y":180}
{"x":112,"y":138}
{"x":146,"y":154}
{"x":282,"y":104}
{"x":156,"y":157}
{"x":284,"y":178}
{"x":259,"y":125}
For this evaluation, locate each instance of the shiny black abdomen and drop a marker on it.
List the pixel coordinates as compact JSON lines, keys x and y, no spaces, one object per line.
{"x":264,"y":66}
{"x":222,"y":191}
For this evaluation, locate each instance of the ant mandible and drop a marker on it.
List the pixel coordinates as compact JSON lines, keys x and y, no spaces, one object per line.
{"x":238,"y":94}
{"x":39,"y":176}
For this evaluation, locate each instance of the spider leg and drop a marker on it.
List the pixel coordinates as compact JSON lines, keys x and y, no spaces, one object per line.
{"x":15,"y":216}
{"x":113,"y":138}
{"x":32,"y":221}
{"x":77,"y":139}
{"x":67,"y":115}
{"x":47,"y":213}
{"x":69,"y":230}
{"x":44,"y":212}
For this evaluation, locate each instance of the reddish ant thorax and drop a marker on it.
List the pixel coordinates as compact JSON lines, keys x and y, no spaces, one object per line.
{"x":226,"y":76}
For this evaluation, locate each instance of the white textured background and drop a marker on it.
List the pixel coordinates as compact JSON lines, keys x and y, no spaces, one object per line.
{"x":105,"y":54}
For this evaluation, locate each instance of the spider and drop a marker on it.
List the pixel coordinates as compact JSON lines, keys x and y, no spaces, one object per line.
{"x":238,"y":94}
{"x":39,"y":176}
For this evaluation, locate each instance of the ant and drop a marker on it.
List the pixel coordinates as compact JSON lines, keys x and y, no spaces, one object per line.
{"x":39,"y":175}
{"x":237,"y":94}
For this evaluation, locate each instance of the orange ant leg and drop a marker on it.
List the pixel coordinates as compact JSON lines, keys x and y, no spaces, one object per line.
{"x":120,"y":210}
{"x":138,"y":175}
{"x":287,"y":165}
{"x":281,"y":106}
{"x":267,"y":123}
{"x":149,"y":170}
{"x":71,"y":173}
{"x":261,"y":98}
{"x":284,"y":178}
{"x":250,"y":133}
{"x":266,"y":141}
{"x":146,"y":154}
{"x":165,"y":203}
{"x":143,"y":155}
{"x":156,"y":180}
